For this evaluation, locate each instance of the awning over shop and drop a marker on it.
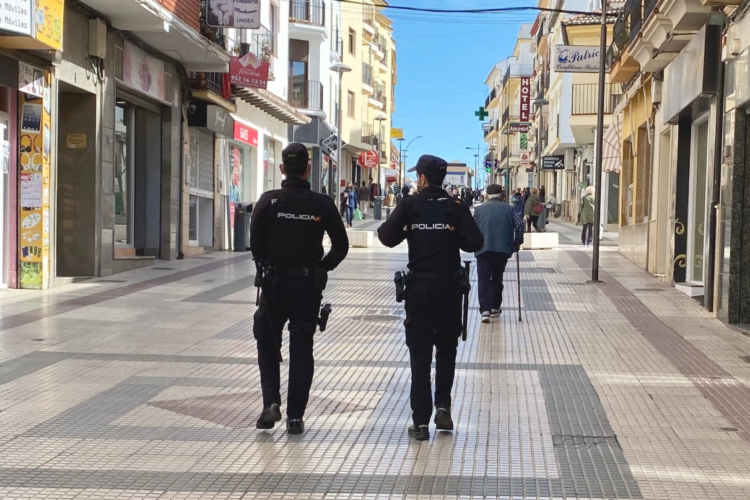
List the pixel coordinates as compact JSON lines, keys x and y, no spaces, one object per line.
{"x":611,"y":145}
{"x":162,"y":30}
{"x":273,"y":105}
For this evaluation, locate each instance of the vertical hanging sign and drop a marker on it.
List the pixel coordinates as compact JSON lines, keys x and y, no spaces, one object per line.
{"x":525,"y":99}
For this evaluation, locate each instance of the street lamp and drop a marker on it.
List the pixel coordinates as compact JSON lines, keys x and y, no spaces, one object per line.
{"x":478,"y":149}
{"x":340,"y":68}
{"x":599,"y":143}
{"x":539,"y":102}
{"x":380,"y":119}
{"x":507,"y":133}
{"x":402,"y":156}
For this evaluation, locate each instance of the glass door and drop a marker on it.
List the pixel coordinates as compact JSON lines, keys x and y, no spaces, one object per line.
{"x":697,"y":207}
{"x":4,"y":174}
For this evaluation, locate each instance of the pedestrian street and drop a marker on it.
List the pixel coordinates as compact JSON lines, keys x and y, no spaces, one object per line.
{"x":145,"y":385}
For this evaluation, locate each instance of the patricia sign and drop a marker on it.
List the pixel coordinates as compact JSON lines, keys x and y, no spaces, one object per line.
{"x":576,"y":59}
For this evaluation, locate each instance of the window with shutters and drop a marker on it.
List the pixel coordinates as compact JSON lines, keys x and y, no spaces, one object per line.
{"x":201,"y":163}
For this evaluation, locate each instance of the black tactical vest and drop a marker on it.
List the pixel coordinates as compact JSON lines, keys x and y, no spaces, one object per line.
{"x":433,"y":233}
{"x":295,"y":228}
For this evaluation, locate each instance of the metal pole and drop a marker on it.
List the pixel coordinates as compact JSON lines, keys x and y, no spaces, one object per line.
{"x":400,"y":162}
{"x":599,"y":144}
{"x":338,"y":146}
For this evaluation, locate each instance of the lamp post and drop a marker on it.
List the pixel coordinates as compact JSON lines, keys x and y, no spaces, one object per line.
{"x":380,"y":119}
{"x":599,"y":144}
{"x":539,"y":103}
{"x":340,"y":68}
{"x":507,"y":133}
{"x":478,"y":149}
{"x":402,"y":155}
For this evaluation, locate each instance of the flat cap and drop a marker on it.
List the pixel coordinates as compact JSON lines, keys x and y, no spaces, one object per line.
{"x":494,"y":189}
{"x":431,"y":166}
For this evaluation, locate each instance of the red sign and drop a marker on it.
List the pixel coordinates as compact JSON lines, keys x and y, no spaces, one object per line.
{"x":245,"y":134}
{"x":248,"y":71}
{"x":368,"y":159}
{"x":525,"y":99}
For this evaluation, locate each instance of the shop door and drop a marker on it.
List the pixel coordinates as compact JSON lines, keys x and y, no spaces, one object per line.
{"x":4,"y":173}
{"x":697,"y":202}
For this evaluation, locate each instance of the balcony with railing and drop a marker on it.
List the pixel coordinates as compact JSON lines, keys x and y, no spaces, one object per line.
{"x":368,"y":135}
{"x":586,"y":98}
{"x":622,"y":66}
{"x":312,"y":12}
{"x":305,"y":94}
{"x":517,"y":71}
{"x":367,"y":76}
{"x":213,"y":88}
{"x":261,"y":44}
{"x":368,"y":15}
{"x":512,"y":112}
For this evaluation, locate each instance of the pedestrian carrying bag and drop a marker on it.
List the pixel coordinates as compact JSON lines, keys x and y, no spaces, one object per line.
{"x":538,"y":208}
{"x":357,"y":214}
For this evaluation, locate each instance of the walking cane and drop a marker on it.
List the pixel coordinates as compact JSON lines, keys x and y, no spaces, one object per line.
{"x":518,"y":273}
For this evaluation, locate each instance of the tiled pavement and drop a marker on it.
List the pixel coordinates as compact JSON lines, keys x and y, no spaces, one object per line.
{"x":145,"y":386}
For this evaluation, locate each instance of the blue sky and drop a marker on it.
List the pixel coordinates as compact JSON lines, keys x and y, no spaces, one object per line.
{"x":443,"y":60}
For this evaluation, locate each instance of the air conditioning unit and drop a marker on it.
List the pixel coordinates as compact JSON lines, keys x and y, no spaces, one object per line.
{"x":570,"y":159}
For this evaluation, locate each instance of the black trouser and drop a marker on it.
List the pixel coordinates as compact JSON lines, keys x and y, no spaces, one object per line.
{"x":532,"y":220}
{"x":433,"y":319}
{"x":587,"y":234}
{"x":490,"y":270}
{"x":297,"y":298}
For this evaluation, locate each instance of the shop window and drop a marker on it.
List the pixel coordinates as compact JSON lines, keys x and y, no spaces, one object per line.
{"x":124,"y":120}
{"x":643,"y":180}
{"x":626,"y":182}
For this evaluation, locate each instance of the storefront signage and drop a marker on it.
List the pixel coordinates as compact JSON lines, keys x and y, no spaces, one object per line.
{"x":518,"y":127}
{"x":233,"y":13}
{"x":576,"y":59}
{"x":15,"y":17}
{"x":368,"y":159}
{"x":48,"y":22}
{"x":553,"y":162}
{"x":524,"y":157}
{"x":455,"y":180}
{"x":525,"y":98}
{"x":245,"y":134}
{"x":219,"y":121}
{"x":487,"y":126}
{"x":75,"y":141}
{"x":142,"y":72}
{"x":249,"y":71}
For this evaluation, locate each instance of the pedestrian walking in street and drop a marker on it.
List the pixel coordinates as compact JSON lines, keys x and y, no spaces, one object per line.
{"x":351,"y":203}
{"x":469,"y":198}
{"x":364,"y":199}
{"x":436,"y":228}
{"x":531,"y":210}
{"x":586,"y":216}
{"x":541,"y":224}
{"x":286,"y":240}
{"x":502,"y":228}
{"x":406,"y":190}
{"x":551,"y":206}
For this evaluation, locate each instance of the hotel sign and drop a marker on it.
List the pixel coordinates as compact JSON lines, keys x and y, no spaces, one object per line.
{"x":15,"y":17}
{"x":576,"y":59}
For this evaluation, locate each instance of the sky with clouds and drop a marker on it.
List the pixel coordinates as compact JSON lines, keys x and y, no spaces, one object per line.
{"x":443,"y":60}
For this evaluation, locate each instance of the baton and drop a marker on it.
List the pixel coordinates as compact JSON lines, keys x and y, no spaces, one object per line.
{"x":467,"y":267}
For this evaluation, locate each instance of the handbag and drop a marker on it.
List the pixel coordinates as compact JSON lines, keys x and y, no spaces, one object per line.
{"x":357,"y":214}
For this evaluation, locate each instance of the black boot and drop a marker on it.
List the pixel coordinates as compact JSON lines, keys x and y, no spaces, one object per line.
{"x":443,"y":419}
{"x":269,"y":417}
{"x":295,"y":426}
{"x":419,"y":432}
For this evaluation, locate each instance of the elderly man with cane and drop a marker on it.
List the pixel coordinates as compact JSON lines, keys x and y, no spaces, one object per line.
{"x":503,"y":230}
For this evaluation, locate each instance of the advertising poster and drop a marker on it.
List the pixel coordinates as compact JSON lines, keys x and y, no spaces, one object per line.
{"x":34,"y":185}
{"x":48,"y":22}
{"x":142,"y":72}
{"x":234,"y":186}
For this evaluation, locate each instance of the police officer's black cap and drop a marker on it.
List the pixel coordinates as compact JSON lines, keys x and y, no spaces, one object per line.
{"x":295,"y":155}
{"x":494,"y":189}
{"x":431,"y":166}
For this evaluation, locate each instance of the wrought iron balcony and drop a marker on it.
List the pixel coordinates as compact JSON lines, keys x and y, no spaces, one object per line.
{"x":307,"y":11}
{"x":516,"y":71}
{"x":586,"y":98}
{"x":634,"y":11}
{"x":305,"y":94}
{"x":212,"y":82}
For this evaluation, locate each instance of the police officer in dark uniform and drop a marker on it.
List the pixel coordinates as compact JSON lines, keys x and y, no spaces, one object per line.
{"x":286,"y":239}
{"x":436,"y":228}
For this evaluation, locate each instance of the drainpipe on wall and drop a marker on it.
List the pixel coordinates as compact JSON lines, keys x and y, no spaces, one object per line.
{"x":715,"y":193}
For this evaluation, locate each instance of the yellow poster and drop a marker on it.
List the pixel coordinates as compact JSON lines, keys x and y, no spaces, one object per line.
{"x":76,"y":141}
{"x":397,"y":133}
{"x":33,"y":190}
{"x":48,"y":21}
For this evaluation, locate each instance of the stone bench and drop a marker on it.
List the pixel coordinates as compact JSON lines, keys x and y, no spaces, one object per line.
{"x":540,"y":241}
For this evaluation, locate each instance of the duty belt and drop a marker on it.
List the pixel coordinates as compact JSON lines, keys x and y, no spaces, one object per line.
{"x":435,"y":275}
{"x":290,"y":270}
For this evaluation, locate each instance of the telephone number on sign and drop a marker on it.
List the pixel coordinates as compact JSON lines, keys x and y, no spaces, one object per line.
{"x":248,"y":81}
